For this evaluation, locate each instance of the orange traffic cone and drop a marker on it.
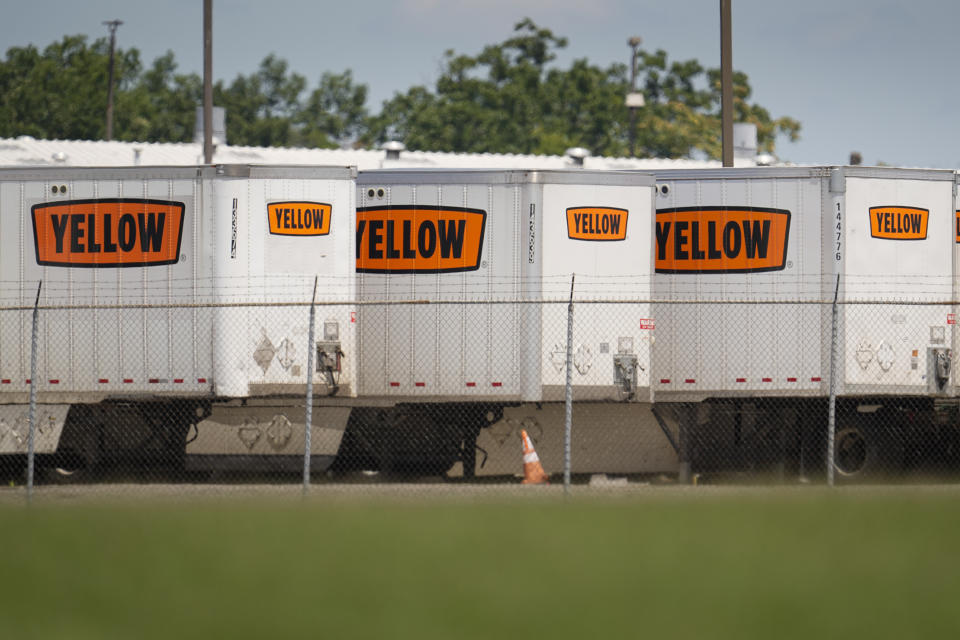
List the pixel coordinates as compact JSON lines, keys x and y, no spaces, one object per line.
{"x":533,"y":472}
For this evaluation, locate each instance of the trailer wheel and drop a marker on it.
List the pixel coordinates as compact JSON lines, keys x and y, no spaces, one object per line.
{"x":854,"y":451}
{"x":869,"y":445}
{"x":79,"y":450}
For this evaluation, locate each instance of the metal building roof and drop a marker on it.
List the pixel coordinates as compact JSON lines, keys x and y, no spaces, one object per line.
{"x":27,"y":151}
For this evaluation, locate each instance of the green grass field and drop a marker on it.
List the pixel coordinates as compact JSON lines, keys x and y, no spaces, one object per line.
{"x":767,"y":564}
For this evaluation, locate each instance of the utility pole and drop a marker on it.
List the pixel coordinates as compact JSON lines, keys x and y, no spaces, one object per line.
{"x":112,"y":25}
{"x":726,"y":82}
{"x":634,"y":98}
{"x":207,"y":81}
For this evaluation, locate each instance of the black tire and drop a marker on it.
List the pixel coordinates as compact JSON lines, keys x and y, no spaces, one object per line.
{"x":65,"y":467}
{"x":855,"y":451}
{"x":869,"y":446}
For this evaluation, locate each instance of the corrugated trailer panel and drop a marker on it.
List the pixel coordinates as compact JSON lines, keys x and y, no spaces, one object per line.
{"x":466,"y":349}
{"x":887,"y":233}
{"x":751,"y":240}
{"x":210,"y":241}
{"x":277,"y":230}
{"x":899,"y":228}
{"x":602,"y":234}
{"x":276,"y":233}
{"x":71,"y":229}
{"x":479,"y":342}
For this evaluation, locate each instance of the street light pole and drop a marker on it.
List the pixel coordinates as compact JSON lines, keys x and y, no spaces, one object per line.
{"x":112,"y":25}
{"x":726,"y":83}
{"x":634,"y":98}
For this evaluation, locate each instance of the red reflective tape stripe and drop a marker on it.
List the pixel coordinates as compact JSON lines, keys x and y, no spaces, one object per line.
{"x":178,"y":380}
{"x":741,"y":379}
{"x":815,"y":379}
{"x":766,"y":379}
{"x":496,"y":384}
{"x":103,"y":381}
{"x":471,"y":384}
{"x":690,"y":381}
{"x":5,"y":381}
{"x":153,"y":380}
{"x":28,"y":380}
{"x":54,"y":381}
{"x":127,"y":380}
{"x":394,"y":384}
{"x":665,"y":381}
{"x":201,"y":380}
{"x":791,"y":379}
{"x":419,"y":384}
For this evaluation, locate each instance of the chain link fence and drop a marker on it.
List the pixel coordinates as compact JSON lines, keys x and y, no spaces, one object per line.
{"x":425,"y":392}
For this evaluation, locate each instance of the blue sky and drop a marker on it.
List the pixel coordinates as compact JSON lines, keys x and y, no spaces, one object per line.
{"x":878,"y":77}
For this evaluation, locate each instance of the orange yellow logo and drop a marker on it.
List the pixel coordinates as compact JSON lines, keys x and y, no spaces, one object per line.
{"x":299,"y":218}
{"x":419,"y":239}
{"x":721,"y":239}
{"x":898,"y":223}
{"x":107,"y":232}
{"x":596,"y":223}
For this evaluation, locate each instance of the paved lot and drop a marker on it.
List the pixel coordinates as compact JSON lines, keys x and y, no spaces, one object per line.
{"x":459,"y":492}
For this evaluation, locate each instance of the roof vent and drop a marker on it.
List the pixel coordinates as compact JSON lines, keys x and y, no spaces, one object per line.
{"x":766,"y":159}
{"x":577,"y":155}
{"x":59,"y":156}
{"x":219,"y":126}
{"x":393,"y":149}
{"x":744,"y":141}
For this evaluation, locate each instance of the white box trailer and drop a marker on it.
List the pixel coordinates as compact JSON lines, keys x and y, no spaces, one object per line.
{"x":748,"y":262}
{"x":898,"y":247}
{"x":157,"y":324}
{"x":504,"y":244}
{"x":486,"y":248}
{"x":738,"y":236}
{"x":175,"y":314}
{"x":885,"y":233}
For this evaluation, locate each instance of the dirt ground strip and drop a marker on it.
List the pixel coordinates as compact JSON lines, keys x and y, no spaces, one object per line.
{"x":340,"y":492}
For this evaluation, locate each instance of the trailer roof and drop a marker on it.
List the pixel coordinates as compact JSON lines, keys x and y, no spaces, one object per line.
{"x":504,"y":176}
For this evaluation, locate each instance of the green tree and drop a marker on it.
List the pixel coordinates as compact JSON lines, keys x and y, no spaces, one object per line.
{"x":682,"y":112}
{"x":584,"y":107}
{"x":262,"y":108}
{"x":768,"y":129}
{"x":495,"y":101}
{"x":61,"y":92}
{"x":509,"y":99}
{"x":334,"y":113}
{"x":161,"y":107}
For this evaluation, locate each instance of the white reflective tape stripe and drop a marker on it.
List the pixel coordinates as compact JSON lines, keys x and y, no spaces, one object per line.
{"x":530,"y":457}
{"x":527,"y":445}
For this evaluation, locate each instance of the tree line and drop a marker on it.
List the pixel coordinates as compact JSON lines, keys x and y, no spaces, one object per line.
{"x":508,"y":98}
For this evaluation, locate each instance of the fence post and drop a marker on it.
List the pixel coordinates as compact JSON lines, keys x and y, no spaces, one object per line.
{"x":308,"y":425}
{"x":568,"y":420}
{"x":832,"y":412}
{"x":32,"y":415}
